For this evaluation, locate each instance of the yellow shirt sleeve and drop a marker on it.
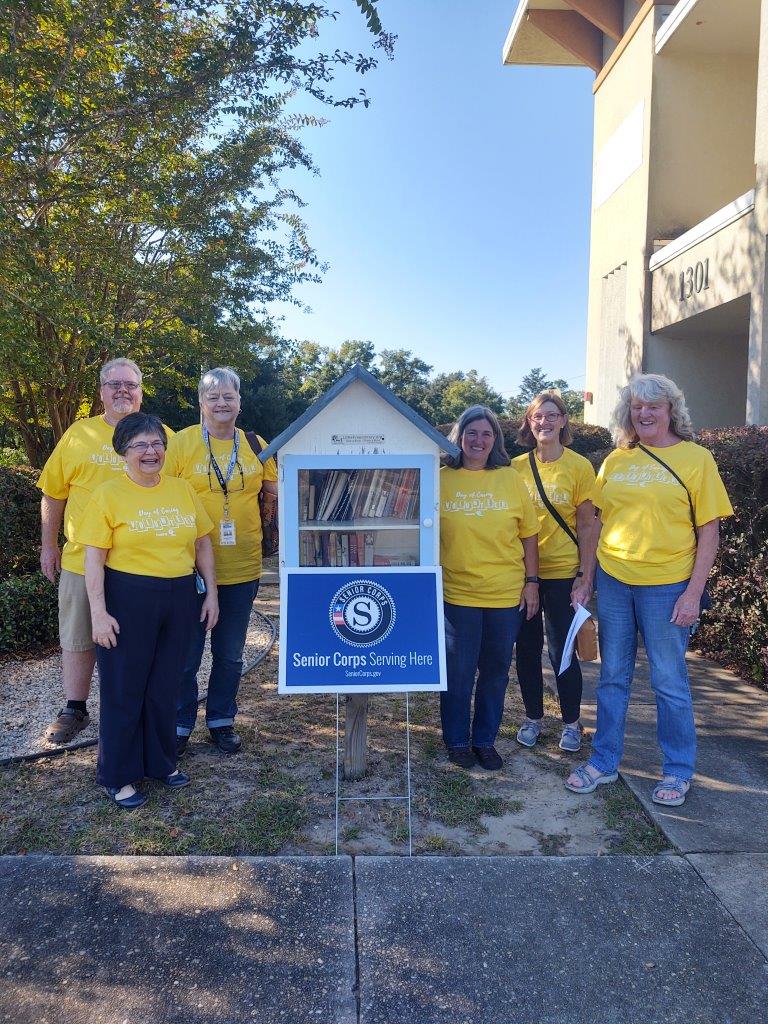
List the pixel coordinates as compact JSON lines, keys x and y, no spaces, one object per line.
{"x":529,"y":521}
{"x":53,"y":481}
{"x":203,"y":520}
{"x":95,"y":526}
{"x":270,"y":466}
{"x":710,"y":498}
{"x":585,"y":483}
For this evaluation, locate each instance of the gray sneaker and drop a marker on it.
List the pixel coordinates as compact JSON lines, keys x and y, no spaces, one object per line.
{"x":529,"y":732}
{"x":571,"y":738}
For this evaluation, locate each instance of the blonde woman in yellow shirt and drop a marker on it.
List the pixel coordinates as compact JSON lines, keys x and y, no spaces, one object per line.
{"x":144,"y":533}
{"x":660,"y":499}
{"x":490,"y":562}
{"x":566,"y":518}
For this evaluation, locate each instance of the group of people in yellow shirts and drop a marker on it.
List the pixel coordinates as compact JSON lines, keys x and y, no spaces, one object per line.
{"x":164,"y":544}
{"x":526,"y":540}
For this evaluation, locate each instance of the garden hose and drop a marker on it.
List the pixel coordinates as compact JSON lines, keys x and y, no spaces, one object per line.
{"x":58,"y":751}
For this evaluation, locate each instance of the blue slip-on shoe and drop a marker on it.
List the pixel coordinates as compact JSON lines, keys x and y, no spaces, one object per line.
{"x":529,"y":732}
{"x":571,"y":738}
{"x":176,"y":781}
{"x":128,"y":802}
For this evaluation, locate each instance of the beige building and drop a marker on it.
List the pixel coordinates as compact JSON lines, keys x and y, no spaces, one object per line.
{"x":677,"y":278}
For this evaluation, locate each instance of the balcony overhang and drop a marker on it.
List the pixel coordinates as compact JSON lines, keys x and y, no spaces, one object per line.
{"x":711,"y":27}
{"x":709,"y":266}
{"x":556,"y":33}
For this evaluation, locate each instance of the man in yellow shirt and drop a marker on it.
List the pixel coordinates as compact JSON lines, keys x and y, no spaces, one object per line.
{"x":83,"y":459}
{"x":216,"y":457}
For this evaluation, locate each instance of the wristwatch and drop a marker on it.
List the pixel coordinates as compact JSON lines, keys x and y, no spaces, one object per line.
{"x":532,"y":579}
{"x":580,"y":572}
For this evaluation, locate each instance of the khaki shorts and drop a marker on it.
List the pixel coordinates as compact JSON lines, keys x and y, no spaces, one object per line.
{"x":74,"y":613}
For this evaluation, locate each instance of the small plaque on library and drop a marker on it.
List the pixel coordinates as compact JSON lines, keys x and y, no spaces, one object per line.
{"x":357,"y":438}
{"x":361,"y":631}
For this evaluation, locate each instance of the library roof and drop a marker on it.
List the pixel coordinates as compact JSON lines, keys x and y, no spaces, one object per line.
{"x":358,"y":373}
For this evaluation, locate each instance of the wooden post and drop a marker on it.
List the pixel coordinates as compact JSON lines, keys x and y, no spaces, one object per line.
{"x":355,"y":735}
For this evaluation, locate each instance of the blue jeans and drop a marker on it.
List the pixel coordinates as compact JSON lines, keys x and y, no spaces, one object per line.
{"x":478,"y":641}
{"x":621,"y":611}
{"x":227,"y":643}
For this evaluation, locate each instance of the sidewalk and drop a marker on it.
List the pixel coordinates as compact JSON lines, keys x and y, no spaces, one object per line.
{"x":432,"y":940}
{"x":722,"y":828}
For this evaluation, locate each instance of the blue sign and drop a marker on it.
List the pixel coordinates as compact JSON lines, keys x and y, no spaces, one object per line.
{"x":361,"y":630}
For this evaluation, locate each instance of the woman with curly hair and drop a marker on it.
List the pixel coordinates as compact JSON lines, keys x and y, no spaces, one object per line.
{"x":660,"y":500}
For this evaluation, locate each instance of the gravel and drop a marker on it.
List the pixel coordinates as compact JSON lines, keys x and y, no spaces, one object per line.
{"x":31,"y":695}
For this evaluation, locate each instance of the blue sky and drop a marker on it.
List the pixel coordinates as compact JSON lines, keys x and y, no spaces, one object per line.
{"x":454,"y":211}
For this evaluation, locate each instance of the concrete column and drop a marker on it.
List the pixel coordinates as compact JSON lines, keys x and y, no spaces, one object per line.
{"x":757,"y":373}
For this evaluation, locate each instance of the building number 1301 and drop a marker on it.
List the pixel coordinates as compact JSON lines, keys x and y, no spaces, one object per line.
{"x":694,"y":280}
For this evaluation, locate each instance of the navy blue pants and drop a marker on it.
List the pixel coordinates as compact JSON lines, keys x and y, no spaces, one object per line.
{"x":139,"y":679}
{"x":556,"y":611}
{"x":478,"y":645}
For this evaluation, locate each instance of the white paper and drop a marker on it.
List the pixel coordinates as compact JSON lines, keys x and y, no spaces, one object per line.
{"x":579,"y":618}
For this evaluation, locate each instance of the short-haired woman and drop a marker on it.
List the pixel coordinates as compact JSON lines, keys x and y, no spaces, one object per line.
{"x":144,"y":533}
{"x":660,"y":499}
{"x":560,"y":484}
{"x":217,"y":459}
{"x":489,"y":556}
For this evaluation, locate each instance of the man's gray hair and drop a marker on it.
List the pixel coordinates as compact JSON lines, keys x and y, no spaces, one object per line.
{"x":113,"y":364}
{"x":218,"y":377}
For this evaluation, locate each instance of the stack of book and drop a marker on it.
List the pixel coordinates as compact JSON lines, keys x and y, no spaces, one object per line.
{"x":341,"y":495}
{"x":358,"y":548}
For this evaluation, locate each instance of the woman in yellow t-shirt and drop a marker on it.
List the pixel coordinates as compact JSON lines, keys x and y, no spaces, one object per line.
{"x":490,"y":561}
{"x":144,"y":533}
{"x":661,"y":500}
{"x":567,"y":480}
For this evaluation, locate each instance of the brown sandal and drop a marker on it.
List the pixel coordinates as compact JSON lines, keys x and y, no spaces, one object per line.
{"x":68,"y":724}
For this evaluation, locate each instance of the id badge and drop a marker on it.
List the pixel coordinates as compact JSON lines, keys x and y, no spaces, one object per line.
{"x":227,"y":535}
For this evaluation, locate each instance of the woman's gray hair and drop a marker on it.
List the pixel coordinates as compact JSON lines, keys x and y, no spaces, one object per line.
{"x":218,"y":377}
{"x":498,"y":455}
{"x":650,"y":387}
{"x":113,"y":364}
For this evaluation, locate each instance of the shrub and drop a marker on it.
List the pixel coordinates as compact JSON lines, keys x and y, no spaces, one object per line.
{"x":12,"y":457}
{"x":28,"y":614}
{"x":735,"y":631}
{"x":587,"y":437}
{"x":20,"y":521}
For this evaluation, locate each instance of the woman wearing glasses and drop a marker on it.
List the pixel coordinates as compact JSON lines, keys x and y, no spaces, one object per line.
{"x":216,"y":457}
{"x":560,"y":483}
{"x":144,"y":533}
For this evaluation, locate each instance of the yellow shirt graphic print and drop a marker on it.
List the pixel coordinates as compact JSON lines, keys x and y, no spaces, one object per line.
{"x":484,"y":515}
{"x":148,"y":531}
{"x":647,"y":537}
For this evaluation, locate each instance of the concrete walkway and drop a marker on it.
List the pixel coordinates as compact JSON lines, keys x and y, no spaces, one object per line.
{"x":433,"y":940}
{"x":722,"y":828}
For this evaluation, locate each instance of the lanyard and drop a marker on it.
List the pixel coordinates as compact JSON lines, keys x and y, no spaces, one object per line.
{"x":223,"y":480}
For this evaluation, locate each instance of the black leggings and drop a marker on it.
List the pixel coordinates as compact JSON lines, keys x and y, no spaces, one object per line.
{"x":556,"y":608}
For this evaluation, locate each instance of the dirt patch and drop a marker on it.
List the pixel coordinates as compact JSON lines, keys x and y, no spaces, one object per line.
{"x":278,"y":794}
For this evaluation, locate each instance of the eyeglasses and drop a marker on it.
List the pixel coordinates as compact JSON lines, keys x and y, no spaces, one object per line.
{"x":143,"y":446}
{"x":115,"y":385}
{"x":230,"y":489}
{"x":548,"y":417}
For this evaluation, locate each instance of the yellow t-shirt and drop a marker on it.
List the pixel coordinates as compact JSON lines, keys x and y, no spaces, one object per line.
{"x":82,"y":460}
{"x":647,"y":537}
{"x":188,"y":457}
{"x":567,"y":483}
{"x":150,"y":531}
{"x":484,"y":514}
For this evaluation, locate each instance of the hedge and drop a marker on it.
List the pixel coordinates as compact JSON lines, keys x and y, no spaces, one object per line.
{"x":28,"y":614}
{"x":20,"y":521}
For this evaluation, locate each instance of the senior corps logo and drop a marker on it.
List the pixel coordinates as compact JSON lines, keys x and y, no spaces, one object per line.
{"x":362,"y":613}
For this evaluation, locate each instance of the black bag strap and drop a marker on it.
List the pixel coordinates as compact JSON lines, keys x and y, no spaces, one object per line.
{"x":669,"y":469}
{"x":547,"y":503}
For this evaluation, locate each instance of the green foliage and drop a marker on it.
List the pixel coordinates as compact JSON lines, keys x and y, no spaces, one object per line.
{"x":12,"y":457}
{"x":141,"y":149}
{"x":536,"y":381}
{"x":20,"y":521}
{"x":735,"y":631}
{"x":28,"y":614}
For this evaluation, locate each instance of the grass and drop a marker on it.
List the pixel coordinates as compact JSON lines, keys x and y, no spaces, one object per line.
{"x":637,"y":834}
{"x":452,"y":801}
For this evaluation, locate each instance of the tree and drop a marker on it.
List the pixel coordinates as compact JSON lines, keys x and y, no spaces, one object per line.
{"x":451,"y":393}
{"x":533,"y":383}
{"x":408,"y":377}
{"x":319,"y":368}
{"x":141,"y":148}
